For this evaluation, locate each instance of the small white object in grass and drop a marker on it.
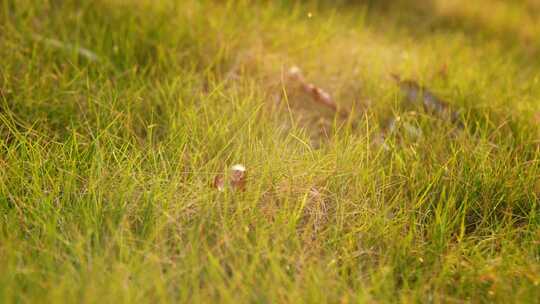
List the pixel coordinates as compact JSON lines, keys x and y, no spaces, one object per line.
{"x":310,"y":15}
{"x":238,"y":177}
{"x":238,"y":167}
{"x":295,"y":73}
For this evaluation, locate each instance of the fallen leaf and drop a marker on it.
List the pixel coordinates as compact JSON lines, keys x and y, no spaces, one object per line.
{"x":238,"y":177}
{"x":414,"y":92}
{"x":219,"y":182}
{"x":318,"y":95}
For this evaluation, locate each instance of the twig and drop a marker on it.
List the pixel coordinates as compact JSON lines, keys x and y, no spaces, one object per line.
{"x":317,"y":94}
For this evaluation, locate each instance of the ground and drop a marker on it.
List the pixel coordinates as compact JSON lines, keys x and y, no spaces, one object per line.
{"x":119,"y":116}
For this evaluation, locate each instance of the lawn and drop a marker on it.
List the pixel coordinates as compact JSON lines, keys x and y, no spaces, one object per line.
{"x":120,"y":121}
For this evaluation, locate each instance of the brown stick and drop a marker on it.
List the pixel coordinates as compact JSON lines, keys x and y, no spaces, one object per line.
{"x":317,"y":94}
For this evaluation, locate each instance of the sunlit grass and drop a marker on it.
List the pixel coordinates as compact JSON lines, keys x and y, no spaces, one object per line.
{"x":107,"y":165}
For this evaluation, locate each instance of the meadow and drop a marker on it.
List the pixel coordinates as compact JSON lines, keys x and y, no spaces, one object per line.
{"x":120,"y":121}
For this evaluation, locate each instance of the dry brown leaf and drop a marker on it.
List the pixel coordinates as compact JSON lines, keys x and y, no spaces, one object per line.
{"x":238,"y":177}
{"x":414,"y":93}
{"x":219,"y":182}
{"x":317,"y":94}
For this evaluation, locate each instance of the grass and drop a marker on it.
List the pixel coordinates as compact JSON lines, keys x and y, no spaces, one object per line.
{"x":107,"y":165}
